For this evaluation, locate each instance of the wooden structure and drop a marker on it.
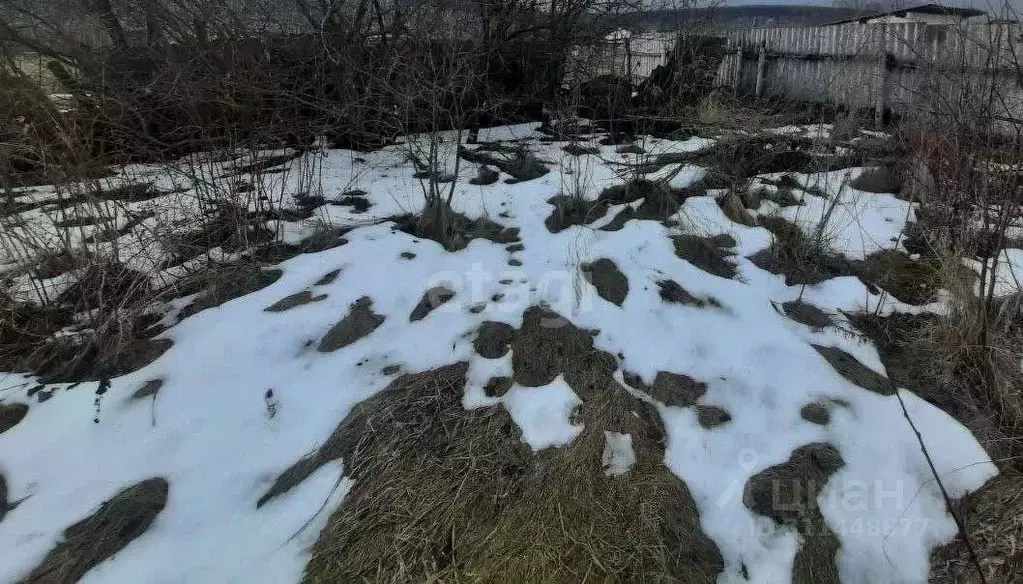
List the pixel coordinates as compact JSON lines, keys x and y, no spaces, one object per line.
{"x":905,"y":68}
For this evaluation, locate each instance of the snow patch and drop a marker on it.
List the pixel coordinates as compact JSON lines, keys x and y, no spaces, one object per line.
{"x":544,"y":413}
{"x":618,"y":456}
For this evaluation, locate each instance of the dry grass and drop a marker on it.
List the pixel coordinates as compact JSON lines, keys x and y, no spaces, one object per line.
{"x":984,"y":382}
{"x":787,"y":493}
{"x":801,"y":259}
{"x":447,"y":494}
{"x":883,"y":179}
{"x":92,"y":540}
{"x":610,"y":282}
{"x":121,"y":261}
{"x":710,"y":254}
{"x":910,"y":281}
{"x":718,"y":109}
{"x":10,"y":415}
{"x":994,"y":522}
{"x":439,"y":219}
{"x":808,"y":314}
{"x":732,"y":206}
{"x":845,"y":128}
{"x":983,"y":344}
{"x":34,"y":66}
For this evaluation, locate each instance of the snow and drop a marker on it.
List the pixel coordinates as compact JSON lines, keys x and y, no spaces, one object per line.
{"x":812,"y":131}
{"x":618,"y":456}
{"x":859,"y":224}
{"x":900,"y":513}
{"x":543,"y":413}
{"x":1008,"y":272}
{"x":210,"y":434}
{"x":480,"y":372}
{"x":678,"y":176}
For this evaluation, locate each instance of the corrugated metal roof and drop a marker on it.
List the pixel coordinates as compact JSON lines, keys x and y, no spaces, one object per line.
{"x":922,"y":9}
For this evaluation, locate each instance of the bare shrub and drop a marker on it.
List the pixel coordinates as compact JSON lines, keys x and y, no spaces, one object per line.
{"x":845,"y":128}
{"x":960,"y":170}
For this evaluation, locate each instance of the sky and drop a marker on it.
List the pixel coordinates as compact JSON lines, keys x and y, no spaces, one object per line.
{"x":987,"y":5}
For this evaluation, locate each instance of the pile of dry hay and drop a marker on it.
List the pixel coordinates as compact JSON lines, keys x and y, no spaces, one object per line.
{"x":445,"y":493}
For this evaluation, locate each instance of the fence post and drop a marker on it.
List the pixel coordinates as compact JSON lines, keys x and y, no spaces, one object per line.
{"x":882,"y":76}
{"x":761,"y":65}
{"x":738,"y":69}
{"x":722,"y":76}
{"x":628,"y":58}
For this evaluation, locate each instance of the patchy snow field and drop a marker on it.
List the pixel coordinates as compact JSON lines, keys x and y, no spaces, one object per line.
{"x":245,"y":392}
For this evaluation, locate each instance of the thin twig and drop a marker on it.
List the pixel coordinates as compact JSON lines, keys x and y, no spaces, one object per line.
{"x":944,"y":492}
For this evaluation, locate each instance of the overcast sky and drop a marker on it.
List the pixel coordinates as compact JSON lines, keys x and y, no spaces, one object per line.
{"x":993,"y":7}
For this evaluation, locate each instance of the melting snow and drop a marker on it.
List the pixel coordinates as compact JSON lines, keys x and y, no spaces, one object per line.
{"x":544,"y":413}
{"x":209,"y":431}
{"x":618,"y":456}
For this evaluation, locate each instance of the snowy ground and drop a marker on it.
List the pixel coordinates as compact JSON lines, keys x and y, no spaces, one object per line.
{"x":220,"y":439}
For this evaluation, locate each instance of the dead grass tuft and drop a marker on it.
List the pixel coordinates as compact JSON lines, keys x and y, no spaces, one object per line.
{"x":882,"y":179}
{"x":731,"y":205}
{"x":357,"y":323}
{"x":107,"y":531}
{"x":10,"y":415}
{"x":518,"y":162}
{"x":910,"y":281}
{"x":485,"y":176}
{"x":712,"y":416}
{"x":659,"y":200}
{"x":994,"y":522}
{"x":569,"y":211}
{"x":808,"y":314}
{"x":787,"y":493}
{"x":231,"y":227}
{"x":103,"y":355}
{"x":855,"y":372}
{"x":294,"y":301}
{"x":453,"y":230}
{"x":610,"y":282}
{"x":710,"y":254}
{"x":815,"y":413}
{"x":107,"y":342}
{"x":493,"y":339}
{"x":732,"y":161}
{"x":672,"y":291}
{"x":106,"y":285}
{"x":799,"y":258}
{"x":432,"y":299}
{"x":845,"y":128}
{"x":547,"y":345}
{"x":215,"y":287}
{"x":24,"y":330}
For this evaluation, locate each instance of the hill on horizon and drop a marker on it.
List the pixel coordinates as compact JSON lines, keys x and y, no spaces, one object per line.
{"x":751,"y":15}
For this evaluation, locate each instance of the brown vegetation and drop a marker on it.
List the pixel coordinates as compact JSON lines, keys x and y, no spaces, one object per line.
{"x":107,"y":531}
